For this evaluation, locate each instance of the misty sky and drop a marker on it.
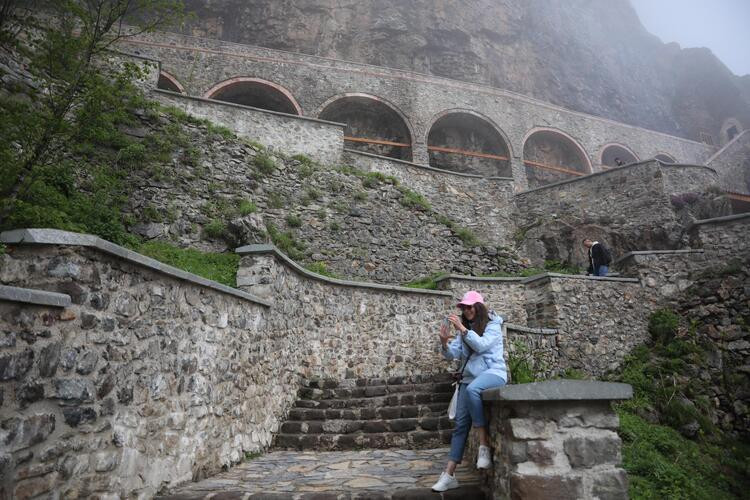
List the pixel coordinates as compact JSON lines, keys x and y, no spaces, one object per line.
{"x":721,"y":25}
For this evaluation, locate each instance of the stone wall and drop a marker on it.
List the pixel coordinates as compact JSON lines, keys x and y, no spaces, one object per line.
{"x":555,"y":439}
{"x":200,"y":63}
{"x":348,"y":329}
{"x":663,"y":273}
{"x":320,"y":140}
{"x":723,"y":238}
{"x":599,"y":320}
{"x":629,"y":208}
{"x":149,"y":379}
{"x":485,"y":205}
{"x":732,"y":163}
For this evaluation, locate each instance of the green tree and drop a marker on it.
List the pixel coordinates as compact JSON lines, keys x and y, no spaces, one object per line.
{"x":65,"y":46}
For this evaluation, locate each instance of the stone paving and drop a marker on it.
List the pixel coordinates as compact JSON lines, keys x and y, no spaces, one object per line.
{"x":334,"y":475}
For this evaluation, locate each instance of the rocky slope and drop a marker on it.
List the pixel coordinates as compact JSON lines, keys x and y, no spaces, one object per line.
{"x":588,"y":55}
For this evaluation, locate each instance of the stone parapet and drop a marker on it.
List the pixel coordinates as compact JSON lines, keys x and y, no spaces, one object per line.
{"x":135,"y":377}
{"x":482,"y":204}
{"x":556,"y":439}
{"x":732,"y":163}
{"x":722,"y":238}
{"x":321,"y":140}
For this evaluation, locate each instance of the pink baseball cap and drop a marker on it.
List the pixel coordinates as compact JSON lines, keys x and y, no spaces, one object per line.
{"x":471,"y":298}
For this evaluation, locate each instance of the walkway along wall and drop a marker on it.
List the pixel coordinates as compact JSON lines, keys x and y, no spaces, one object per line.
{"x":199,"y":64}
{"x":646,"y":205}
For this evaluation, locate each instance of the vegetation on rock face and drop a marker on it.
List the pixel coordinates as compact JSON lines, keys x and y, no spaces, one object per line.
{"x":673,"y":445}
{"x":221,"y":267}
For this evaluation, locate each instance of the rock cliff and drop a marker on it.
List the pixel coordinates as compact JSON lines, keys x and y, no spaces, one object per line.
{"x":588,"y":55}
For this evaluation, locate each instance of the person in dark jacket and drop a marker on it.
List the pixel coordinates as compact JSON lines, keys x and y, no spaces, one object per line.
{"x":598,"y":258}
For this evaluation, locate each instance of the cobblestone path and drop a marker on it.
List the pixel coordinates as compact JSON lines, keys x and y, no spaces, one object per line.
{"x":310,"y":475}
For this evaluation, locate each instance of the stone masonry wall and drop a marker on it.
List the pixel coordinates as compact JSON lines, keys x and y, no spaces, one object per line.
{"x":628,"y":208}
{"x":348,"y":329}
{"x":482,"y":204}
{"x":322,"y":141}
{"x":146,"y":381}
{"x":599,"y":320}
{"x":732,"y":163}
{"x":722,"y":238}
{"x":200,"y":63}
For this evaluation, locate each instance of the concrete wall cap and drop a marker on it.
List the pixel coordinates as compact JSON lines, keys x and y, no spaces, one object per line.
{"x":31,"y":296}
{"x":59,"y":237}
{"x":560,"y":390}
{"x":637,"y":253}
{"x":426,"y":167}
{"x":720,"y":220}
{"x":487,"y":279}
{"x":214,"y":102}
{"x":609,"y":171}
{"x":547,"y":276}
{"x":271,"y":249}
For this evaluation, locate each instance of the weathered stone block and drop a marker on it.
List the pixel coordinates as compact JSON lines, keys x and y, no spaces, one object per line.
{"x":23,"y":433}
{"x":531,"y":428}
{"x":14,"y":366}
{"x":541,"y":452}
{"x":74,"y":390}
{"x":611,"y":485}
{"x":587,"y":451}
{"x":525,"y":487}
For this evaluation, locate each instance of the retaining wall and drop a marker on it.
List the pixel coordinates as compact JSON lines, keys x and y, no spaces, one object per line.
{"x":485,"y":205}
{"x":292,"y":134}
{"x":151,"y":377}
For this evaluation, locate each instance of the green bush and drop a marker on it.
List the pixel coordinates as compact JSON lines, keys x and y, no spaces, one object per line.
{"x":275,"y":200}
{"x":264,"y":163}
{"x":215,"y":229}
{"x":246,"y":207}
{"x":662,"y":325}
{"x":320,"y":268}
{"x":293,"y":220}
{"x":428,"y":282}
{"x":410,"y":199}
{"x":285,"y":242}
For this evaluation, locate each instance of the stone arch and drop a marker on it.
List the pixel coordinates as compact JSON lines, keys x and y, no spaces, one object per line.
{"x":255,"y":92}
{"x":665,"y":158}
{"x":614,"y":152}
{"x":551,"y":155}
{"x":169,"y":82}
{"x":729,"y":130}
{"x":373,"y":125}
{"x":462,"y":140}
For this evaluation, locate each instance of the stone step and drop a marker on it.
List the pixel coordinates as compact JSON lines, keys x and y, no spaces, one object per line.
{"x":468,"y":492}
{"x":374,"y":391}
{"x":338,"y":426}
{"x":412,"y":440}
{"x":363,"y":474}
{"x":364,"y":382}
{"x":404,"y":399}
{"x":304,"y":412}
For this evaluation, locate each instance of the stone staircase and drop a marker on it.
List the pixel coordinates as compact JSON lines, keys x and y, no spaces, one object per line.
{"x":398,"y":412}
{"x":352,"y":439}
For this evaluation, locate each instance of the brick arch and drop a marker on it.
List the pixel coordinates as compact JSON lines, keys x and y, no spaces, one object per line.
{"x":618,"y":149}
{"x":664,"y":157}
{"x":169,"y":81}
{"x":478,"y":144}
{"x":729,"y":124}
{"x":543,"y":168}
{"x":396,"y":139}
{"x":236,"y":81}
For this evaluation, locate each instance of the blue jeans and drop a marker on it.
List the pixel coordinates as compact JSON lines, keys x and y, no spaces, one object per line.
{"x":469,"y":410}
{"x":602,"y":271}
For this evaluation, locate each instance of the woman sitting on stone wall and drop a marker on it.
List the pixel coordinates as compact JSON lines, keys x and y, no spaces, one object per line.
{"x":479,"y":344}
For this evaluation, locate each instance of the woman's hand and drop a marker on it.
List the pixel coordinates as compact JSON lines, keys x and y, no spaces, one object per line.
{"x":445,"y":334}
{"x":456,"y":321}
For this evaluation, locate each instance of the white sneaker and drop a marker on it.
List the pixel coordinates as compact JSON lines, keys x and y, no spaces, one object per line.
{"x":484,"y":460}
{"x":446,"y":482}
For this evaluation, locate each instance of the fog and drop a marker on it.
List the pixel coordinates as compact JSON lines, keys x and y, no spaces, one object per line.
{"x":721,"y":25}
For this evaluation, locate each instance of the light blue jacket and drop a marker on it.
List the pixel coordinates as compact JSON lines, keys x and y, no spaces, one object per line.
{"x":487,"y":350}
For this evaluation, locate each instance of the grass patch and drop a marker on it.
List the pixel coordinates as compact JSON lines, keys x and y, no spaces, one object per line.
{"x":215,"y":229}
{"x":246,"y":207}
{"x":264,"y":163}
{"x":275,"y":200}
{"x":320,"y":268}
{"x":428,"y":282}
{"x":221,"y":267}
{"x":285,"y":242}
{"x":411,"y":199}
{"x":293,"y":220}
